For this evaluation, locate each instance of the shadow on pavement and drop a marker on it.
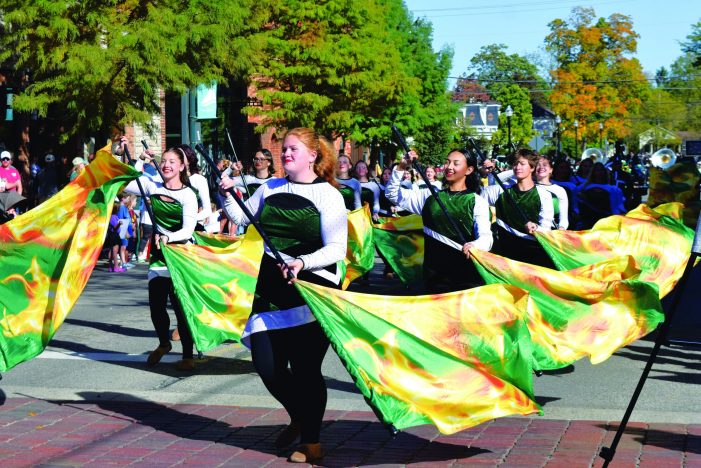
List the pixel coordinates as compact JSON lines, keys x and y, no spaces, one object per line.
{"x":687,"y":359}
{"x":343,"y":440}
{"x":112,"y":328}
{"x":209,"y":365}
{"x":673,"y":441}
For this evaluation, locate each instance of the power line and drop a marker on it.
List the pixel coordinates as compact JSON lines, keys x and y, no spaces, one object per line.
{"x":487,"y":80}
{"x":506,"y":9}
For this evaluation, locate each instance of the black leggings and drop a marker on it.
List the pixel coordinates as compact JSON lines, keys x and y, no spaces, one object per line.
{"x":300,"y":388}
{"x":159,"y":290}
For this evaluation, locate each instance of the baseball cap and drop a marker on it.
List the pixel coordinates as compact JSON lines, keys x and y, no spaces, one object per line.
{"x":79,"y":160}
{"x":49,"y":158}
{"x":5,"y":155}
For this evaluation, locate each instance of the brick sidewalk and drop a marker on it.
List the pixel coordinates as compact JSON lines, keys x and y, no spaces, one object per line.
{"x":75,"y":433}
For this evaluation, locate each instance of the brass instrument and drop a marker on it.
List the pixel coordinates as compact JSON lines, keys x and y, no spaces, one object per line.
{"x":595,"y":154}
{"x":663,"y":158}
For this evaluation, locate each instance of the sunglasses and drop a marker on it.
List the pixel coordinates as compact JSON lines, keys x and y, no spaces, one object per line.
{"x":5,"y":159}
{"x":260,"y":159}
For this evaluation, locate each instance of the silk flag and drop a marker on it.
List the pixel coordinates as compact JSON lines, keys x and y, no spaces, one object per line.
{"x":360,"y":254}
{"x":215,"y":286}
{"x":453,"y":360}
{"x":214,"y":240}
{"x":590,"y":311}
{"x":47,"y":255}
{"x":656,"y":238}
{"x":400,"y":242}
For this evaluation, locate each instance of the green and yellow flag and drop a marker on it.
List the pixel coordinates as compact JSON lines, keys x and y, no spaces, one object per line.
{"x":453,"y":360}
{"x":590,"y":311}
{"x":360,"y":254}
{"x":400,"y":241}
{"x":215,"y":286}
{"x":656,"y":238}
{"x":47,"y":256}
{"x":214,"y":240}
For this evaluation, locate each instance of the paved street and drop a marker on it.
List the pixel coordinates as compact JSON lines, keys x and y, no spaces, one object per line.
{"x":90,"y":400}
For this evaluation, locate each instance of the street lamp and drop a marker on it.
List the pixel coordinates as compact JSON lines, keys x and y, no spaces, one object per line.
{"x":601,"y":140}
{"x":509,"y":112}
{"x":558,"y":121}
{"x":576,"y":138}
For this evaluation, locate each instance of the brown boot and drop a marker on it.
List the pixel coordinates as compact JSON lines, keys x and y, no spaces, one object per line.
{"x":157,"y":354}
{"x":287,"y":436}
{"x":306,"y":453}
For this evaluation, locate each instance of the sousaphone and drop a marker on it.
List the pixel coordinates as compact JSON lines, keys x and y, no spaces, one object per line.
{"x":663,"y":158}
{"x":595,"y":154}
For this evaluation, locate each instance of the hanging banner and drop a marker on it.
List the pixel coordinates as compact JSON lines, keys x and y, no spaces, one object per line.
{"x":207,"y":101}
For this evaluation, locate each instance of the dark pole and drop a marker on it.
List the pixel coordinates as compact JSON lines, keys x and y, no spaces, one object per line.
{"x":607,"y":453}
{"x":236,"y":159}
{"x":508,"y":125}
{"x":576,"y":139}
{"x":558,"y":120}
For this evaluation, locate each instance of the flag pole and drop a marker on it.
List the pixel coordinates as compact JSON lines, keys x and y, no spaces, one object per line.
{"x":481,"y":158}
{"x":246,"y":211}
{"x":607,"y":453}
{"x":158,"y":169}
{"x":127,"y":156}
{"x":237,"y":160}
{"x":419,"y":168}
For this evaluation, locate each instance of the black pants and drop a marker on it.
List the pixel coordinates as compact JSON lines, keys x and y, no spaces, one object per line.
{"x":523,"y":250}
{"x":159,"y":290}
{"x":301,"y":388}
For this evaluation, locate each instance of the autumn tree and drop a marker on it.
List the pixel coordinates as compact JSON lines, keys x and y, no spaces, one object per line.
{"x":596,"y":80}
{"x":102,"y":63}
{"x":468,"y":89}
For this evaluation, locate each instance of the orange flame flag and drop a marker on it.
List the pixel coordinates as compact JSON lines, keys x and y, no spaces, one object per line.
{"x":433,"y":359}
{"x":589,"y":311}
{"x":47,"y":256}
{"x":656,"y":238}
{"x":215,"y":284}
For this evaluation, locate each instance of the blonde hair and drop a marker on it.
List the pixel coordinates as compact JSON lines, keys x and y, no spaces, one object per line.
{"x":325,"y":162}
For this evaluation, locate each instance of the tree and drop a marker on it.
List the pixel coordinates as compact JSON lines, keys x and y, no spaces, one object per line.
{"x":509,"y":79}
{"x":103,"y":62}
{"x":684,"y":82}
{"x":495,"y":69}
{"x":692,"y":46}
{"x":596,"y":81}
{"x":521,"y":121}
{"x":326,"y":65}
{"x":353,"y":69}
{"x":468,"y":89}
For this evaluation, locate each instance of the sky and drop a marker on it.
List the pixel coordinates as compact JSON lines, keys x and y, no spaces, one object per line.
{"x":522,"y":25}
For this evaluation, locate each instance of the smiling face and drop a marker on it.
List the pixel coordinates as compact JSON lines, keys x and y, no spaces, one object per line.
{"x":343,"y":167}
{"x":171,"y":166}
{"x":260,"y":162}
{"x":543,"y":170}
{"x":523,"y":169}
{"x":297,"y":158}
{"x":6,"y":161}
{"x":430,"y":173}
{"x":456,"y":168}
{"x":361,"y":170}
